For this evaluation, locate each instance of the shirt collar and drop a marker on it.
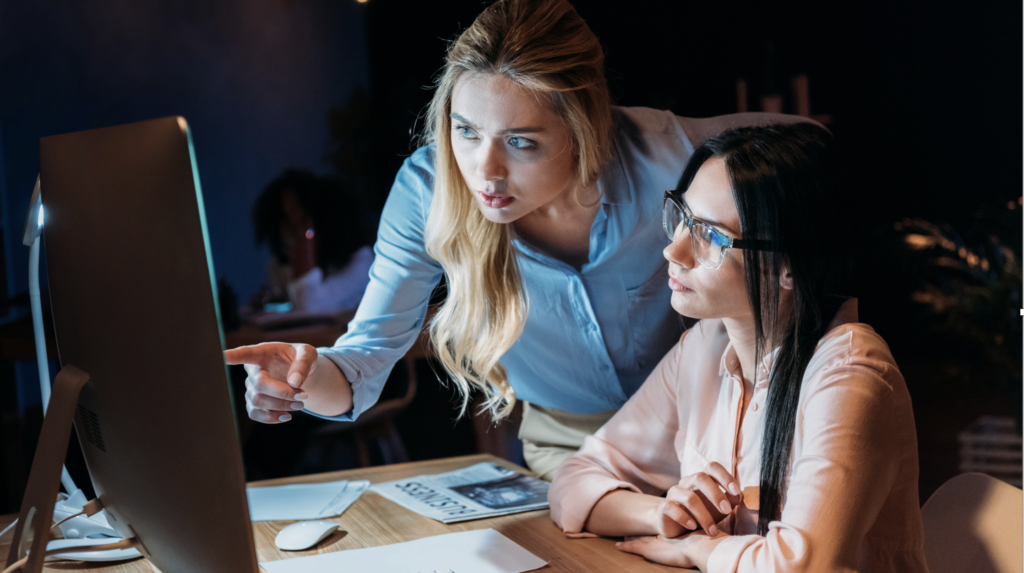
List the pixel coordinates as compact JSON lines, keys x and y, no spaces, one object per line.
{"x":730,"y":362}
{"x":761,"y":377}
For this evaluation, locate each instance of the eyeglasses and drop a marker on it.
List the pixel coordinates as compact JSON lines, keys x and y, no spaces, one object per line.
{"x":709,"y":244}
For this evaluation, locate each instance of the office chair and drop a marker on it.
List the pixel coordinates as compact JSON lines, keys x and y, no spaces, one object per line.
{"x":973,"y":523}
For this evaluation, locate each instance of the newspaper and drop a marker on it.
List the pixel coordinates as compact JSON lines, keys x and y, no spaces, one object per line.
{"x":476,"y":492}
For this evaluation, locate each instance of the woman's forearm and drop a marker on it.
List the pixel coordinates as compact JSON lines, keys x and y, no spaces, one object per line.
{"x":622,"y":512}
{"x":328,"y":391}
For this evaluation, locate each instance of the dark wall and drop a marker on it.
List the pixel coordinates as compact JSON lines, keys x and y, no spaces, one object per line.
{"x":925,"y":97}
{"x":254,"y":78}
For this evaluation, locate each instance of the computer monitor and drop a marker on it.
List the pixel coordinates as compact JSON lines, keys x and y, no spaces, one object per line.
{"x":134,"y":303}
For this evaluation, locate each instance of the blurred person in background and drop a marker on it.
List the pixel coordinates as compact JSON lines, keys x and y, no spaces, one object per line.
{"x":320,"y":264}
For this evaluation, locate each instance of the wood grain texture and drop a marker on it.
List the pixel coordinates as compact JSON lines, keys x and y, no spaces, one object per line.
{"x":373,"y":521}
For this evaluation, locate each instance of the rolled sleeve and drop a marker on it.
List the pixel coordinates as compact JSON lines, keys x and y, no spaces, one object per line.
{"x":785,"y":548}
{"x":365,"y":391}
{"x":646,"y":427}
{"x":402,"y":277}
{"x":586,"y":481}
{"x":727,"y":554}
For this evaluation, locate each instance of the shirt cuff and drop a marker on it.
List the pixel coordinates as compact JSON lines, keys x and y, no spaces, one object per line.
{"x":725,"y":557}
{"x":577,"y":500}
{"x":361,"y":398}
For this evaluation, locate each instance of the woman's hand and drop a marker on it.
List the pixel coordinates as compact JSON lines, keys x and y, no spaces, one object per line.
{"x":701,"y":499}
{"x":691,"y":551}
{"x":276,"y":372}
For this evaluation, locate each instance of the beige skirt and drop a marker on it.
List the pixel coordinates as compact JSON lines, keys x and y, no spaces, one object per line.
{"x":550,"y":436}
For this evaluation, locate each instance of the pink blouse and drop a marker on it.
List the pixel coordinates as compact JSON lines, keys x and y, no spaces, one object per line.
{"x":851,"y":502}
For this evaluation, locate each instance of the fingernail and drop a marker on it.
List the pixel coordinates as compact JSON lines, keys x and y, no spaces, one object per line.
{"x":726,"y":508}
{"x":285,"y":417}
{"x":713,"y":531}
{"x":691,"y":524}
{"x":295,"y":379}
{"x":618,"y":543}
{"x":734,"y":489}
{"x":298,"y":405}
{"x":300,"y":396}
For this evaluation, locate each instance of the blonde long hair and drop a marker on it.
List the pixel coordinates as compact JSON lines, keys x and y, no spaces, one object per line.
{"x":541,"y":45}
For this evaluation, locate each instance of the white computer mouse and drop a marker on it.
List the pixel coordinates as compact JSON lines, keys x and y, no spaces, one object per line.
{"x":303,"y":534}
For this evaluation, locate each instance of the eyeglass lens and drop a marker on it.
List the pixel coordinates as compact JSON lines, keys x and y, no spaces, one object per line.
{"x":708,"y":245}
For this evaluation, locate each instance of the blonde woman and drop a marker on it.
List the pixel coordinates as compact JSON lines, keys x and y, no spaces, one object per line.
{"x":539,"y":202}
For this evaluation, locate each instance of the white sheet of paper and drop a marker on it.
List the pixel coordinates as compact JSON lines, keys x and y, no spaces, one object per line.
{"x":480,"y":551}
{"x":303,"y":501}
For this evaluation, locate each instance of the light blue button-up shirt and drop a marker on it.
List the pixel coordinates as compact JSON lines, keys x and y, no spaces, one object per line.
{"x":591,"y":336}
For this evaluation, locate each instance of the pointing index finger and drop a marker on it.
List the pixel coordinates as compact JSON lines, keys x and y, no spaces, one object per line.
{"x":246,"y":355}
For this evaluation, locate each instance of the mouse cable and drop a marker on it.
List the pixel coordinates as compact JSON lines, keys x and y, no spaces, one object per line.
{"x":17,"y":565}
{"x":88,"y":510}
{"x":9,"y":527}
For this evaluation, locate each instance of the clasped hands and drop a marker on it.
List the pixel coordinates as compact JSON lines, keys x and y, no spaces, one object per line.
{"x":698,"y":501}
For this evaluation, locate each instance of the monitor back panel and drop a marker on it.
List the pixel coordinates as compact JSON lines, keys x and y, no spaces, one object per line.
{"x":133,"y":296}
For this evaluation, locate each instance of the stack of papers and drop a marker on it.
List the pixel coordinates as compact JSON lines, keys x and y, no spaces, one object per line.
{"x":481,"y":551}
{"x":303,"y":501}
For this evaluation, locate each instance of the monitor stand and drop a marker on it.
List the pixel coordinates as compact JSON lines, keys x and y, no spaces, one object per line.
{"x":36,"y":519}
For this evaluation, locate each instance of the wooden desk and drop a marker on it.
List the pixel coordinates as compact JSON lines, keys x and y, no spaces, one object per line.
{"x":373,"y":521}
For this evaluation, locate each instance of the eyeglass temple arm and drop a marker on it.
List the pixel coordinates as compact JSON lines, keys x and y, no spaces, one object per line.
{"x":755,"y":244}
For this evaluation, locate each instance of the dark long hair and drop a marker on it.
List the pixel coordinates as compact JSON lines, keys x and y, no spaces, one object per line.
{"x":787,"y":182}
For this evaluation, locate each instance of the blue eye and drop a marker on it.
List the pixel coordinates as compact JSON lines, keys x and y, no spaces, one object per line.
{"x":465,"y":132}
{"x":520,"y":143}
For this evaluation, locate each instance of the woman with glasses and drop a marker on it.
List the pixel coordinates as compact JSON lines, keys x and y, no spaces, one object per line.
{"x":538,"y":202}
{"x":777,"y":435}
